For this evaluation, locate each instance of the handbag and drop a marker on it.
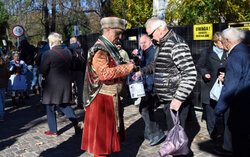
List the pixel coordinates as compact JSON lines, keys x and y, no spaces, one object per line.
{"x":176,"y":142}
{"x":216,"y":90}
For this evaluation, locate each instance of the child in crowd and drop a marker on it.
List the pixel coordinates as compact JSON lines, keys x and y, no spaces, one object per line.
{"x":4,"y":72}
{"x":17,"y":84}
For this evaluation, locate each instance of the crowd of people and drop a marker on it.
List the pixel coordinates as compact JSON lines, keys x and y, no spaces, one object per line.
{"x":165,"y":64}
{"x":34,"y":69}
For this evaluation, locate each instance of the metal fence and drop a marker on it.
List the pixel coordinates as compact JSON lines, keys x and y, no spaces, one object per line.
{"x":130,"y":42}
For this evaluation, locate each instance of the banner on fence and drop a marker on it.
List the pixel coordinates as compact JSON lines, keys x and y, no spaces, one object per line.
{"x":203,"y":32}
{"x":241,"y":25}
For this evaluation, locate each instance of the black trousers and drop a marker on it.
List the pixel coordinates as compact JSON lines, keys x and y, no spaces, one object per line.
{"x":210,"y":116}
{"x":215,"y":124}
{"x":183,"y":114}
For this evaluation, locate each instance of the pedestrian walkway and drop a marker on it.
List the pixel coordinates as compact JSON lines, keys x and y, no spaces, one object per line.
{"x":22,"y":134}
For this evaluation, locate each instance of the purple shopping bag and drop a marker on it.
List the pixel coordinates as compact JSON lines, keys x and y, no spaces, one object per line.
{"x":176,"y":142}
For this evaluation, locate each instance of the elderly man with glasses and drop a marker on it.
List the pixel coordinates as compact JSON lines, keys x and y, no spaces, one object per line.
{"x":173,"y":68}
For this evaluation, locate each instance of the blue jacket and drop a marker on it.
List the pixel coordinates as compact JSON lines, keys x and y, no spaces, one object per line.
{"x":236,"y":90}
{"x":74,"y":45}
{"x":147,"y":58}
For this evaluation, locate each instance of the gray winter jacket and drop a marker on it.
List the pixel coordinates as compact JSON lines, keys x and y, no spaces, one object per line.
{"x":173,"y":68}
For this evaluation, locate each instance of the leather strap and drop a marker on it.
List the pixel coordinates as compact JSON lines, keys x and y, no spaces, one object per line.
{"x":62,"y":57}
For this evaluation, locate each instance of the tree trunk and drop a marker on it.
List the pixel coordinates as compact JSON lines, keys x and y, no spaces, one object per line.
{"x":46,"y":17}
{"x":53,"y":23}
{"x":159,"y":8}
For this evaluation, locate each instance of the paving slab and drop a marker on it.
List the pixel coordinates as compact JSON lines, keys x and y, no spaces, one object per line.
{"x":22,"y":134}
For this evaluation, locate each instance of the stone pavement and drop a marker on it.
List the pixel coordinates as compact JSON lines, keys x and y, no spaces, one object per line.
{"x":22,"y":134}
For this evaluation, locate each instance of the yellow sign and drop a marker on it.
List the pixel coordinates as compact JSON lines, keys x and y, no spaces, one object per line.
{"x":240,"y":26}
{"x":203,"y":32}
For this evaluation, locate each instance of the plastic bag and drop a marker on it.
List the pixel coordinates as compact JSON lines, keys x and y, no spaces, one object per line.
{"x":216,"y":90}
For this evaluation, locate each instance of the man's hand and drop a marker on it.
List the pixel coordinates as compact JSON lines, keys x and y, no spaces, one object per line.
{"x":135,"y":52}
{"x":131,"y":61}
{"x":175,"y":104}
{"x":221,"y":76}
{"x":132,"y":65}
{"x":207,"y":76}
{"x":136,"y":75}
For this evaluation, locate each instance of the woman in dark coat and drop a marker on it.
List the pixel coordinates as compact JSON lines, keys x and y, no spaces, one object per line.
{"x":57,"y":89}
{"x":210,"y":64}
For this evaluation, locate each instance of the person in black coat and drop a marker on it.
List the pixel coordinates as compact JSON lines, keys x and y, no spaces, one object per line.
{"x":27,"y":54}
{"x":210,"y":64}
{"x":57,"y":89}
{"x":78,"y":71}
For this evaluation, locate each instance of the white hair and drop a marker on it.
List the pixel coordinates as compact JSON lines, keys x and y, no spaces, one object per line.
{"x":232,"y":34}
{"x":146,"y":36}
{"x":73,"y":40}
{"x":55,"y":38}
{"x":155,"y":22}
{"x":243,"y":33}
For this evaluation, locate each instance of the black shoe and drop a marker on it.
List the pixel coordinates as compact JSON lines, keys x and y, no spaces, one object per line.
{"x":27,"y":97}
{"x":14,"y":102}
{"x":60,"y":114}
{"x":77,"y":128}
{"x":146,"y":138}
{"x":157,"y":140}
{"x":21,"y":101}
{"x":80,"y":106}
{"x":33,"y":88}
{"x":222,"y":152}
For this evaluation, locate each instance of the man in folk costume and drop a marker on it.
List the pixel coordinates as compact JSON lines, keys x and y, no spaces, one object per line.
{"x":103,"y":125}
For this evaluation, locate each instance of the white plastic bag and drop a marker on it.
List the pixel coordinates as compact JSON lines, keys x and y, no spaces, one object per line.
{"x":216,"y":90}
{"x":136,"y":87}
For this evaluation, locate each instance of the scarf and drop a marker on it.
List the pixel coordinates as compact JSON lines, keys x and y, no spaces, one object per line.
{"x":113,"y":51}
{"x":218,"y":51}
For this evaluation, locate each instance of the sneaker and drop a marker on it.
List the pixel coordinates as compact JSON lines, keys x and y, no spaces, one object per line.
{"x":50,"y":133}
{"x":1,"y":119}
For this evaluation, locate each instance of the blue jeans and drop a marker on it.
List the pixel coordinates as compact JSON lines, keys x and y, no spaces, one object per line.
{"x":2,"y":101}
{"x":146,"y":110}
{"x":34,"y":71}
{"x":29,"y":75}
{"x":40,"y":80}
{"x":51,"y":116}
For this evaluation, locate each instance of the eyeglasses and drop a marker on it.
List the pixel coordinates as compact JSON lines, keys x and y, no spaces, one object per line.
{"x":151,"y":35}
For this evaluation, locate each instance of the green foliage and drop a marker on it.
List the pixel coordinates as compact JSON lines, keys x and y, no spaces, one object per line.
{"x":207,"y":11}
{"x":3,"y":19}
{"x":73,"y":18}
{"x":136,"y":12}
